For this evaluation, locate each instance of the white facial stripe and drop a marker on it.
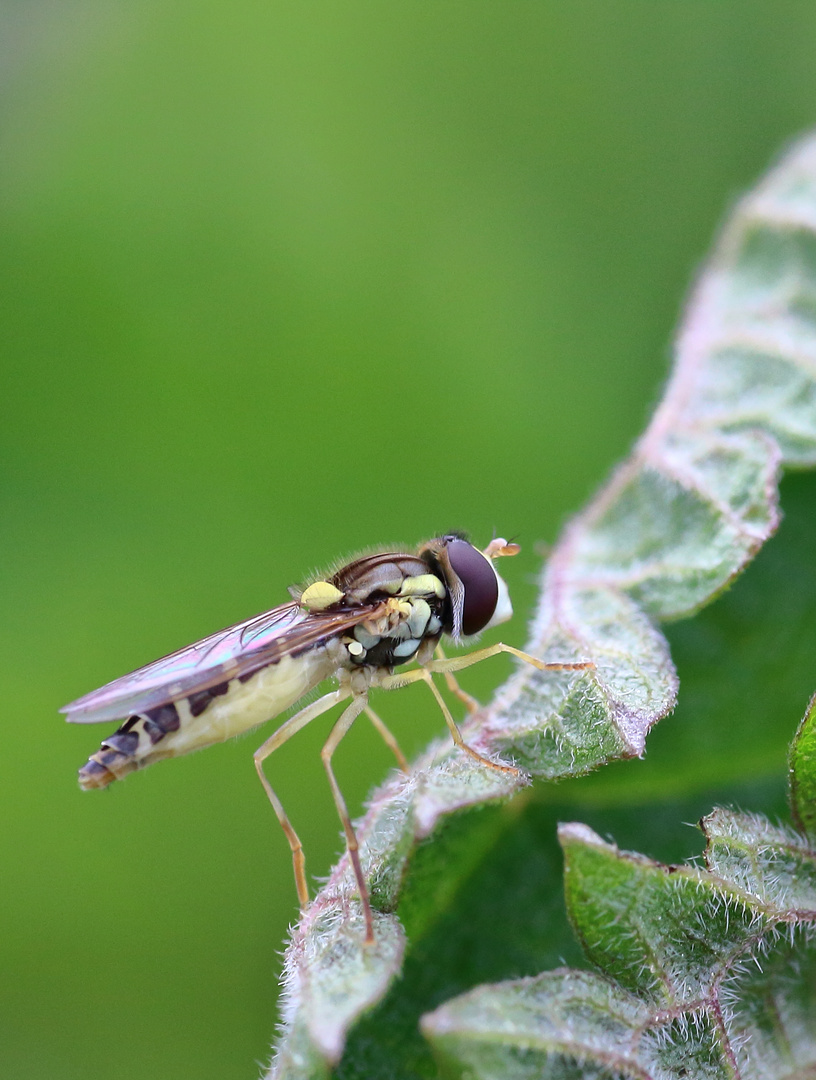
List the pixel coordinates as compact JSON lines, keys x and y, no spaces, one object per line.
{"x":504,"y":608}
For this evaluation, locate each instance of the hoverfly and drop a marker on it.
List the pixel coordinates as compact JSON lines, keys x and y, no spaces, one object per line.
{"x":369,"y":617}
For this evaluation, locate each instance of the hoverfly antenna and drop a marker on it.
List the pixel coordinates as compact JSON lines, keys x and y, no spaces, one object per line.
{"x":499,"y":547}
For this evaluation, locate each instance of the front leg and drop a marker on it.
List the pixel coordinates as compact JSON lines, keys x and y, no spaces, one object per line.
{"x":457,"y":663}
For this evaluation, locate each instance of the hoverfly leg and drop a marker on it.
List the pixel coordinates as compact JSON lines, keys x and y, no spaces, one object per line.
{"x":388,"y":738}
{"x":340,"y":729}
{"x":456,"y":663}
{"x":405,"y":678}
{"x":456,"y":734}
{"x":285,"y":732}
{"x":470,"y":703}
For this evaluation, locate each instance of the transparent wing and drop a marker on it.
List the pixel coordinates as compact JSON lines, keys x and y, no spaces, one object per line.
{"x":238,"y":650}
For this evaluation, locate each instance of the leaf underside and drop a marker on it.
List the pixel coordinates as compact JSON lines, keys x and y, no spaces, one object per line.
{"x":670,"y":530}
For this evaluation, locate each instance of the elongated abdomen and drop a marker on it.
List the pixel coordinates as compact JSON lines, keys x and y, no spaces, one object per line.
{"x":205,"y":717}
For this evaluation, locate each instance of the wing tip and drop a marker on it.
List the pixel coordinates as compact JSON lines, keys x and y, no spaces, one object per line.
{"x":75,"y":713}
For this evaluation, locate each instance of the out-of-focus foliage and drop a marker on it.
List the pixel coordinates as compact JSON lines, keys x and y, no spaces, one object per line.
{"x":803,"y":773}
{"x":277,"y":285}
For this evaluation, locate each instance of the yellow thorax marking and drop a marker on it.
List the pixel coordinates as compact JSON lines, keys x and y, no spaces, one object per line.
{"x":423,"y":584}
{"x":320,"y":595}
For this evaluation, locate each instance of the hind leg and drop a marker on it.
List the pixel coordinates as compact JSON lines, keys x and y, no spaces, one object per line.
{"x":285,"y":732}
{"x":338,"y":732}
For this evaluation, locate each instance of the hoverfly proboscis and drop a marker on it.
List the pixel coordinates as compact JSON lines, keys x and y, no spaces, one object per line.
{"x":369,"y":617}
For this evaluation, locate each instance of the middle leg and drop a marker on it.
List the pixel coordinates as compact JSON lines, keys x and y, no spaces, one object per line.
{"x":340,"y":729}
{"x":388,"y":738}
{"x":470,"y":702}
{"x":392,"y":682}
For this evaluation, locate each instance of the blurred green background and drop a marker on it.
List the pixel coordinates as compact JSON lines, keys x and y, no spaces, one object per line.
{"x":279,"y":281}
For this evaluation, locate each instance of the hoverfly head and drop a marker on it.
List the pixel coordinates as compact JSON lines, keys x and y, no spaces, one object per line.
{"x":478,"y":597}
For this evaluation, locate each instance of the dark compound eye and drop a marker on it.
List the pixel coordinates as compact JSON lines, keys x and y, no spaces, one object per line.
{"x":479,"y":582}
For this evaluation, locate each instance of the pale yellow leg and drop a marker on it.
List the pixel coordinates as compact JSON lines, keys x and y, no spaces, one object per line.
{"x":291,"y":727}
{"x":470,"y":703}
{"x":456,"y":663}
{"x":340,"y":729}
{"x":391,"y":682}
{"x":388,"y":738}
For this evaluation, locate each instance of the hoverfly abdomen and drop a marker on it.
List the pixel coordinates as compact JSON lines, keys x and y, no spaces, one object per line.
{"x":109,"y":763}
{"x":198,"y":702}
{"x":94,"y":774}
{"x":130,"y":746}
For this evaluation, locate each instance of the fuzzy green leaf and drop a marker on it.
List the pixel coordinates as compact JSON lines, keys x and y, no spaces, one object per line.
{"x":705,"y":973}
{"x":333,"y":978}
{"x":675,"y":524}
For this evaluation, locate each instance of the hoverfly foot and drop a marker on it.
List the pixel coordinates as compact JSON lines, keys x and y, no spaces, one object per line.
{"x":578,"y":665}
{"x":511,"y":770}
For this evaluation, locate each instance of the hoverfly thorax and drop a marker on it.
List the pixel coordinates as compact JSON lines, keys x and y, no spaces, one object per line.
{"x":477,"y":595}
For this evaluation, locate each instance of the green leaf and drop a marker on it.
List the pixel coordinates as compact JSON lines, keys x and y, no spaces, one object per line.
{"x":704,"y":972}
{"x":746,"y":664}
{"x":572,"y":1023}
{"x":803,"y":773}
{"x":673,"y":527}
{"x":632,"y":917}
{"x":333,"y":984}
